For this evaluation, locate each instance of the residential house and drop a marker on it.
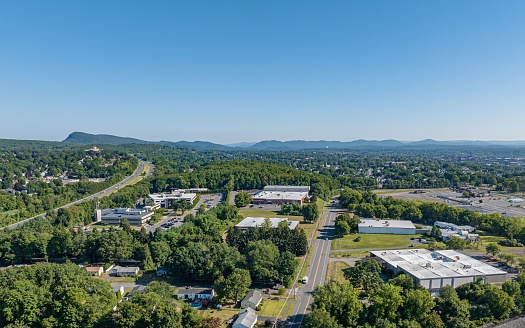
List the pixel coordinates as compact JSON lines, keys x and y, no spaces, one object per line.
{"x":95,"y":270}
{"x":252,"y":299}
{"x":195,"y":293}
{"x":246,"y":319}
{"x":121,"y":271}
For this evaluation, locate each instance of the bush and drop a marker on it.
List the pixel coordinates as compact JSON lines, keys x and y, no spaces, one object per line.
{"x":510,"y":243}
{"x":281,"y":291}
{"x":258,"y":308}
{"x":358,"y":239}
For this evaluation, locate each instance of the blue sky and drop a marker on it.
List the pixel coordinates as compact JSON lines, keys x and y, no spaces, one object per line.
{"x":229,"y":71}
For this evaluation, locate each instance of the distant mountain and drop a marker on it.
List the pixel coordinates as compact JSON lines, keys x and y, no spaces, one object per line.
{"x":241,"y":144}
{"x":302,"y":144}
{"x":105,"y":139}
{"x":275,"y":145}
{"x":102,"y":139}
{"x":205,"y":145}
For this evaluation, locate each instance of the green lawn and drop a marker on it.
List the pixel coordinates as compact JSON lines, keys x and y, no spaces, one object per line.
{"x":271,"y":308}
{"x":335,"y":271}
{"x":224,"y":314}
{"x":373,"y":241}
{"x":257,"y":212}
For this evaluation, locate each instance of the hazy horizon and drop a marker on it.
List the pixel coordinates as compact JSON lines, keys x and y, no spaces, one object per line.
{"x":227,"y":72}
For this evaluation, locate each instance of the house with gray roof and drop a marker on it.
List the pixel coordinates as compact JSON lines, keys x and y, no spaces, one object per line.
{"x":246,"y":319}
{"x":251,"y":300}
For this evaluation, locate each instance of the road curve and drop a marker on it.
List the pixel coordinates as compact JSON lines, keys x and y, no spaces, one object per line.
{"x":121,"y":184}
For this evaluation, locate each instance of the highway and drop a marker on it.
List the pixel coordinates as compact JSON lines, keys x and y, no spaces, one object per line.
{"x":99,"y":194}
{"x":317,"y":268}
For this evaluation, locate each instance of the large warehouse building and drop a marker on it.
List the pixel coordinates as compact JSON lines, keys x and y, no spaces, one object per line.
{"x":437,"y":269}
{"x":250,"y":223}
{"x":394,"y":227}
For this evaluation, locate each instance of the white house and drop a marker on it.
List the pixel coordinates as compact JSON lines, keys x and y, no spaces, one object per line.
{"x":246,"y":319}
{"x":195,"y":293}
{"x":95,"y":270}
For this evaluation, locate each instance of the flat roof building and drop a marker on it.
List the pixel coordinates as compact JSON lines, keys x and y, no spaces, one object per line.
{"x":251,"y":222}
{"x":452,"y":226}
{"x":437,"y":269}
{"x":280,"y":197}
{"x":136,"y":217}
{"x":395,"y":227}
{"x":166,"y":199}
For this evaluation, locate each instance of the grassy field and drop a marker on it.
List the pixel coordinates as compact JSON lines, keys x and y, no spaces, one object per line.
{"x":271,"y":308}
{"x":257,"y":212}
{"x":224,"y":314}
{"x":335,"y":271}
{"x":373,"y":241}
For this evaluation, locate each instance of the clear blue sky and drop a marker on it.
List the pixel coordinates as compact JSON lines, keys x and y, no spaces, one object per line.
{"x":228,"y":71}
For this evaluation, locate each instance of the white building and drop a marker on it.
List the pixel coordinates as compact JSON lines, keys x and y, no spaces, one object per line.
{"x":454,"y":227}
{"x":246,"y":319}
{"x":280,"y":197}
{"x":463,"y":234}
{"x":121,"y":271}
{"x":166,"y":199}
{"x":437,"y":269}
{"x":190,"y":293}
{"x":135,"y":217}
{"x":251,"y":222}
{"x":394,"y":227}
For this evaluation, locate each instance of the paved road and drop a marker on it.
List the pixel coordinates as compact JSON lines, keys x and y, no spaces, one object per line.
{"x":316,"y":271}
{"x":102,"y":193}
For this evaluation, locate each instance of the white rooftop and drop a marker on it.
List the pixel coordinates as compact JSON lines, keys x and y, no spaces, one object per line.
{"x":251,"y":222}
{"x":424,"y":264}
{"x":246,"y":318}
{"x":282,"y":195}
{"x":386,"y":223}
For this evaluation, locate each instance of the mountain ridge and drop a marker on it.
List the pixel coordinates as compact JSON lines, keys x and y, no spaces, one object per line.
{"x":275,"y":145}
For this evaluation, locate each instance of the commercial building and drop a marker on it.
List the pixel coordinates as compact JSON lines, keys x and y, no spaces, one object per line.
{"x":437,"y":269}
{"x":135,"y":217}
{"x":280,"y":197}
{"x":454,"y":227}
{"x":394,"y":227}
{"x":166,"y":199}
{"x":463,"y":234}
{"x":251,"y":300}
{"x":250,"y":222}
{"x":288,"y":188}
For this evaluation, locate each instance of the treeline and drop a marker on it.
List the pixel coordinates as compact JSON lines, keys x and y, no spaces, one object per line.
{"x":48,"y":295}
{"x":244,"y":175}
{"x":365,"y":301}
{"x":369,"y":205}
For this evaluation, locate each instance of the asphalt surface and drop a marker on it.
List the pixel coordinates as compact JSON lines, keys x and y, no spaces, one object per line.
{"x":317,"y":268}
{"x":102,"y":193}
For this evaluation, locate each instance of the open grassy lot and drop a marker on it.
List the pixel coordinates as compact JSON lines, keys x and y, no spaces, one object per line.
{"x":373,"y":241}
{"x":271,"y":308}
{"x":335,"y":271}
{"x":224,"y":314}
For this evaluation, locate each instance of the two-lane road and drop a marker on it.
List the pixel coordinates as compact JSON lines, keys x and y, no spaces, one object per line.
{"x":99,"y":194}
{"x":316,"y":271}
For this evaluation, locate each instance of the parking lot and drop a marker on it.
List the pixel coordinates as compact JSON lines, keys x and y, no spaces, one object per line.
{"x":496,"y":202}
